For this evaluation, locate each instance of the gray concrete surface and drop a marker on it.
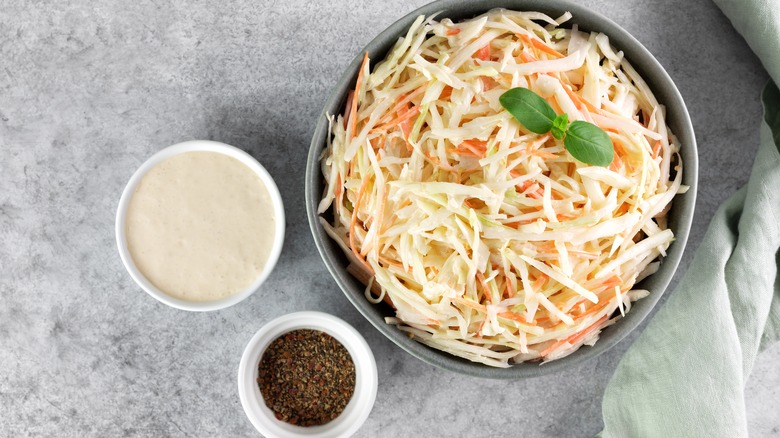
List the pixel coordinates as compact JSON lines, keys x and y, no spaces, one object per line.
{"x":89,"y":90}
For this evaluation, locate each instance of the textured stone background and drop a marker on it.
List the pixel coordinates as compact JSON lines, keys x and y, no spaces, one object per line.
{"x":89,"y":90}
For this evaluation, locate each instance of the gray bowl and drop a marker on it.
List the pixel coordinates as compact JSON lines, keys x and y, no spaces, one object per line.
{"x":681,"y":213}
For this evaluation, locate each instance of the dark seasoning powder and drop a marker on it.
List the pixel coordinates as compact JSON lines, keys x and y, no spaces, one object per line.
{"x":306,"y":377}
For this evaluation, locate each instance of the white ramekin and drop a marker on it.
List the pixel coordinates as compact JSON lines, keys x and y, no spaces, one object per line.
{"x":199,"y":146}
{"x":366,"y":379}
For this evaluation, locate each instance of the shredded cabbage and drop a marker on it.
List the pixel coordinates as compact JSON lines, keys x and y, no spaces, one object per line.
{"x":491,"y":242}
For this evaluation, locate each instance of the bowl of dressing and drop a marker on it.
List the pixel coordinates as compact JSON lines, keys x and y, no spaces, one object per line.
{"x":200,"y":225}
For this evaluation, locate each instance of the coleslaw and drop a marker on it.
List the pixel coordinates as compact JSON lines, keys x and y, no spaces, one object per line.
{"x":491,"y":242}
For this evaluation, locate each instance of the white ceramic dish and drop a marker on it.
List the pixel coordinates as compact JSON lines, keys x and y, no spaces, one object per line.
{"x":366,"y":379}
{"x":199,"y":146}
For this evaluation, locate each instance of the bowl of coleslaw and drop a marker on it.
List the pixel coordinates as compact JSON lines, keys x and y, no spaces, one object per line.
{"x":477,"y":244}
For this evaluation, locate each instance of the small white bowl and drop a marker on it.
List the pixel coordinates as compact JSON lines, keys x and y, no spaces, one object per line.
{"x":199,"y":146}
{"x":366,"y":380}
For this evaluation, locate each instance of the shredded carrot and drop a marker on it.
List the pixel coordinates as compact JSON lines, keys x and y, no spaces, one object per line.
{"x":546,"y":49}
{"x":508,"y":289}
{"x":525,"y":185}
{"x":465,"y":152}
{"x":515,"y":317}
{"x":538,"y":193}
{"x":406,"y":128}
{"x":453,"y":31}
{"x":579,"y":101}
{"x":612,"y":282}
{"x":616,"y":163}
{"x":539,"y":282}
{"x":483,"y":53}
{"x":539,"y":45}
{"x":477,"y":144}
{"x":524,"y":38}
{"x":580,"y":301}
{"x":348,"y":107}
{"x":620,"y":152}
{"x":527,"y":57}
{"x":402,"y":103}
{"x":446,"y":93}
{"x":657,"y":149}
{"x":619,"y":148}
{"x":541,"y":319}
{"x":339,"y":189}
{"x":481,"y":279}
{"x":353,"y":112}
{"x":476,"y":147}
{"x":543,"y":154}
{"x":354,"y":222}
{"x":403,"y":117}
{"x":376,"y":142}
{"x":593,"y":309}
{"x":517,"y":224}
{"x":488,"y":83}
{"x":573,"y":339}
{"x":547,"y":247}
{"x":471,"y":304}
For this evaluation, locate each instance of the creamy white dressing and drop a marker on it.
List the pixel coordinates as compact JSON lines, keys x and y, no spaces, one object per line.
{"x":200,"y":226}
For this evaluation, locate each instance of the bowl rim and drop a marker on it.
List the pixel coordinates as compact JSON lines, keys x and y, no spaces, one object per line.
{"x":199,"y":146}
{"x":662,"y":86}
{"x":366,"y":377}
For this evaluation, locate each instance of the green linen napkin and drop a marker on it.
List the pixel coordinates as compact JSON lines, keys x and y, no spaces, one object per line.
{"x":685,"y":375}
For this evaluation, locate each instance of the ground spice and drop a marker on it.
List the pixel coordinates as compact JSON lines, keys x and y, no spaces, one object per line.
{"x":306,"y":377}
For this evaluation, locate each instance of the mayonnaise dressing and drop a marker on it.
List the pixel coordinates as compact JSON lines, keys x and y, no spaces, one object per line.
{"x":200,"y":226}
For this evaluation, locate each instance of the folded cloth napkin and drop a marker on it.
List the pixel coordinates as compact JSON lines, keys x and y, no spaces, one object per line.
{"x":685,"y":375}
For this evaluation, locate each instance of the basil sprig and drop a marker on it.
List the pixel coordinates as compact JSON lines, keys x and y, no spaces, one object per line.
{"x":559,"y":126}
{"x":529,"y":109}
{"x":584,"y":141}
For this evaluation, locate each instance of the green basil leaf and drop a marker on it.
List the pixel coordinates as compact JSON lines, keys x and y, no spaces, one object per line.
{"x":589,"y":144}
{"x":529,"y":109}
{"x":559,"y":125}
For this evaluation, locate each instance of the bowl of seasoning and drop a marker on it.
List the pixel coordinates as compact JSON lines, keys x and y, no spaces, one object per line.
{"x":307,"y":374}
{"x":200,"y":225}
